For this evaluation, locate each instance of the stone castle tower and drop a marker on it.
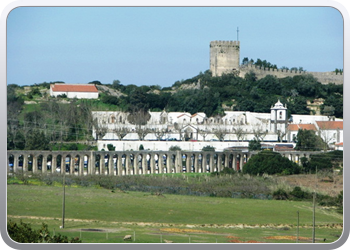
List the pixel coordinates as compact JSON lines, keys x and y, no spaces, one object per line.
{"x":224,"y":57}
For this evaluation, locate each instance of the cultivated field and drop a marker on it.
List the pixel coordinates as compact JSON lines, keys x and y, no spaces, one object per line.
{"x":100,"y":215}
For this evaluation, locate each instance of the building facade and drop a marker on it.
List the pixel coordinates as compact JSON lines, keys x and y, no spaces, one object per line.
{"x":80,"y":91}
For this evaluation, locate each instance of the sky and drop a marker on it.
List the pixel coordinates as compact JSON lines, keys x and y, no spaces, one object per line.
{"x":162,"y":45}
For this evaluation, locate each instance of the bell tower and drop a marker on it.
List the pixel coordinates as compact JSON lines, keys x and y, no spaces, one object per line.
{"x":278,"y":117}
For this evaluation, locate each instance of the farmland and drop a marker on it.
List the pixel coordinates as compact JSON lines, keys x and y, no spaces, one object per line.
{"x":101,"y":215}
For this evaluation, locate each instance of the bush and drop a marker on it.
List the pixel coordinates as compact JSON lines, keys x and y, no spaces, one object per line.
{"x":280,"y":194}
{"x":268,"y":162}
{"x":225,"y":171}
{"x":23,"y":233}
{"x":208,"y":148}
{"x":298,"y":194}
{"x":174,"y":148}
{"x":110,"y":147}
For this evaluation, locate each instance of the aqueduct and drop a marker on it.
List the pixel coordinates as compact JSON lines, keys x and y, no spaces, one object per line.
{"x":130,"y":162}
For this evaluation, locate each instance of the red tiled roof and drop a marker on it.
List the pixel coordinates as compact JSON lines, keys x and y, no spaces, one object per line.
{"x":74,"y":88}
{"x":332,"y":125}
{"x":296,"y":127}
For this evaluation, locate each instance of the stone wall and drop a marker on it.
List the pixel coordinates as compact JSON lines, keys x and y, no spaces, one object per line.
{"x":322,"y":77}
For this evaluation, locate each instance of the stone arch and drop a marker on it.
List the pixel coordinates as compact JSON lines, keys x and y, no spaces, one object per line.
{"x":139,"y":166}
{"x":115,"y":167}
{"x":59,"y":164}
{"x":193,"y":161}
{"x":165,"y":168}
{"x":97,"y":164}
{"x":11,"y":163}
{"x":184,"y":160}
{"x":48,"y":162}
{"x":207,"y":165}
{"x":21,"y":162}
{"x":124,"y":165}
{"x":173,"y":163}
{"x":238,"y":162}
{"x":106,"y":161}
{"x":131,"y":162}
{"x":39,"y":163}
{"x":231,"y":161}
{"x":68,"y":166}
{"x":76,"y":164}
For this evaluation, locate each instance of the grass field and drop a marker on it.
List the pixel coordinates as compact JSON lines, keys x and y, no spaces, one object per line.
{"x":99,"y":215}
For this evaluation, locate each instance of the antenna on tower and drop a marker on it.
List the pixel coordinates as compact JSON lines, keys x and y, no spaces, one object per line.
{"x":237,"y":33}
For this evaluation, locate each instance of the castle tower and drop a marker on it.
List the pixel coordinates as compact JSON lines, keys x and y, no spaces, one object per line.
{"x":278,"y":118}
{"x":224,"y":57}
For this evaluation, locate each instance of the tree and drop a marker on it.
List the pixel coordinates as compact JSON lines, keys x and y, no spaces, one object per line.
{"x":100,"y":129}
{"x":121,"y":132}
{"x":269,"y":162}
{"x":110,"y":147}
{"x":220,"y":131}
{"x":37,"y":140}
{"x":254,"y":145}
{"x":307,"y":140}
{"x":239,"y":131}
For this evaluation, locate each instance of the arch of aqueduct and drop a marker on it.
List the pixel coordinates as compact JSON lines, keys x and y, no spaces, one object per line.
{"x":130,"y":162}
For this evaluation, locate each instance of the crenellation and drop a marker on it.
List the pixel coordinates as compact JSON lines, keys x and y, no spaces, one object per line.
{"x":322,"y":77}
{"x":225,"y":58}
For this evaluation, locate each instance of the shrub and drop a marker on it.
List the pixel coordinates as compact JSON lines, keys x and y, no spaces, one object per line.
{"x":268,"y":162}
{"x":225,"y":171}
{"x":280,"y":194}
{"x":110,"y":147}
{"x":174,"y":148}
{"x":208,"y":148}
{"x":23,"y":233}
{"x":298,"y":194}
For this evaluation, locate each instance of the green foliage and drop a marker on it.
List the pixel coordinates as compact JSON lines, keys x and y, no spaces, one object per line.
{"x":23,"y":233}
{"x":36,"y":140}
{"x":298,"y":194}
{"x":208,"y":148}
{"x":322,"y":161}
{"x":110,"y":147}
{"x":280,"y":194}
{"x":307,"y":140}
{"x":268,"y":162}
{"x":175,"y":148}
{"x":141,"y":147}
{"x":225,"y":171}
{"x":254,"y":145}
{"x":113,"y":100}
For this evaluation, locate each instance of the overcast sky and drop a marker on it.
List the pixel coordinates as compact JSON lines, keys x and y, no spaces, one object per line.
{"x":161,"y":45}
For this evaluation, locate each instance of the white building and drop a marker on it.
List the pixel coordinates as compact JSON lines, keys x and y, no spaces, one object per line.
{"x":80,"y":91}
{"x":233,"y":127}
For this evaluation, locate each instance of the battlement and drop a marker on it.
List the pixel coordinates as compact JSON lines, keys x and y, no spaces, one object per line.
{"x":225,"y":58}
{"x":322,"y":77}
{"x":223,"y":43}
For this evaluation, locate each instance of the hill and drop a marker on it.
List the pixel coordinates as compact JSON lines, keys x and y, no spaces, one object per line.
{"x":61,"y":119}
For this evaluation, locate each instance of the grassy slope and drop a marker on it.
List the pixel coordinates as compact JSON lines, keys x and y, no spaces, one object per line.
{"x":103,"y":205}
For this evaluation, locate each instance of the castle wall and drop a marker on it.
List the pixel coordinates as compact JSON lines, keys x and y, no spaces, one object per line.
{"x":322,"y":77}
{"x":225,"y":58}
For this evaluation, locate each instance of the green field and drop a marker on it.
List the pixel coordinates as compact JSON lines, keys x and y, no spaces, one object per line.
{"x":99,"y":215}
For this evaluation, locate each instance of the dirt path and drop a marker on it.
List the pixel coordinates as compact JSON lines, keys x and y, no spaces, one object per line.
{"x":150,"y":224}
